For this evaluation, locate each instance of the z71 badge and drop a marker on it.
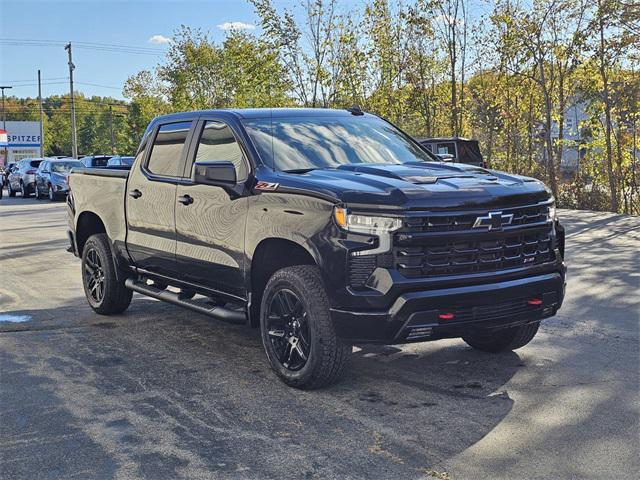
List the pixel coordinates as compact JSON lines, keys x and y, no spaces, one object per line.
{"x":267,"y":186}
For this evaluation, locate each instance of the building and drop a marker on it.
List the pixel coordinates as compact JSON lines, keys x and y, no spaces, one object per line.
{"x":573,"y":151}
{"x":23,"y":141}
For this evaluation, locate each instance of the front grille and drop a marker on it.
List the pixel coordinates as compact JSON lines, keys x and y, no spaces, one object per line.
{"x":460,"y":222}
{"x":422,"y":249}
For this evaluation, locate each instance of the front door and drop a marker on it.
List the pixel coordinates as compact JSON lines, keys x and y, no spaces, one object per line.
{"x":151,"y":199}
{"x":211,"y":229}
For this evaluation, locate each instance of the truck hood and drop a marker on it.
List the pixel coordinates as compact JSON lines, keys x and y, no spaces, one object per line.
{"x":423,"y":185}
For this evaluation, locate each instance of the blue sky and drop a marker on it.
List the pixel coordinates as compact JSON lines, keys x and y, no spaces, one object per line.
{"x":132,"y":23}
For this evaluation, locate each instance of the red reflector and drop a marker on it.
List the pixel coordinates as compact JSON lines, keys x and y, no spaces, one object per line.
{"x":534,"y":301}
{"x":446,"y":316}
{"x":30,"y":172}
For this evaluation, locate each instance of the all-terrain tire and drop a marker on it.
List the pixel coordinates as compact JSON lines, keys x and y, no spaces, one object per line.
{"x":116,"y":297}
{"x":503,"y":340}
{"x":328,"y":355}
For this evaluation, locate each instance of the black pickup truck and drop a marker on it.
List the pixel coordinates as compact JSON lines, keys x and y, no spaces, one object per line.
{"x":324,"y":228}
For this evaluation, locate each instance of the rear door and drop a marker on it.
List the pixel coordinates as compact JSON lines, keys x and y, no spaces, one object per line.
{"x":151,"y":198}
{"x":211,"y":229}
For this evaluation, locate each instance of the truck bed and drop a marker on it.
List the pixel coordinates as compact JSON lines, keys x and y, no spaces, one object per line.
{"x":101,"y":192}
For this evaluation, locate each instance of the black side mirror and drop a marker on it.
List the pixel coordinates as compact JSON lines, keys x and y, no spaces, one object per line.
{"x":221,"y":174}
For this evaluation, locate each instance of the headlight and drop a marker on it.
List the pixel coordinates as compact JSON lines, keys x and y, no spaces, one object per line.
{"x":365,"y":223}
{"x":381,"y":227}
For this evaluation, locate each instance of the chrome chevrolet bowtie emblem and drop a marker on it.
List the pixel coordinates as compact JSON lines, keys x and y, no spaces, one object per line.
{"x":493,"y":221}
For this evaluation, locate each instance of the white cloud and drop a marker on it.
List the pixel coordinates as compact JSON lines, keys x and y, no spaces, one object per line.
{"x":236,"y":26}
{"x":159,"y":40}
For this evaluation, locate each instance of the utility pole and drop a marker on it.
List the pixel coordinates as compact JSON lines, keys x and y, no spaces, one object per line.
{"x":113,"y":143}
{"x":41,"y":115}
{"x":74,"y":137}
{"x":4,"y":120}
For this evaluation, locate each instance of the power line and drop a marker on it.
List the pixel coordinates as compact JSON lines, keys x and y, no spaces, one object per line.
{"x":84,"y":45}
{"x":31,"y":79}
{"x":96,"y":44}
{"x":99,"y":85}
{"x":35,"y":84}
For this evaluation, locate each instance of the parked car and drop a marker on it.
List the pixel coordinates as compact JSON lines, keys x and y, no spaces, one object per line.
{"x":23,"y":177}
{"x":95,"y":161}
{"x":5,"y":176}
{"x":323,"y":228}
{"x":51,"y":177}
{"x":455,"y":149}
{"x":119,"y":161}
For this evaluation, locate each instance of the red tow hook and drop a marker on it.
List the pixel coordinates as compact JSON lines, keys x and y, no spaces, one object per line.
{"x":446,"y":316}
{"x":534,"y":301}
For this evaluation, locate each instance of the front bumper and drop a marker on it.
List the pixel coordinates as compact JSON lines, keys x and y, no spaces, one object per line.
{"x":454,"y":312}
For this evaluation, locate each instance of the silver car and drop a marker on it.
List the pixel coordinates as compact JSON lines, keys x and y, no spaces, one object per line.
{"x":23,"y":177}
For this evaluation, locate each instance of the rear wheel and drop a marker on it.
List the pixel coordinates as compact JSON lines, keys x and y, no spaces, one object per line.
{"x":297,"y":333}
{"x":105,"y":293}
{"x":12,"y":192}
{"x":52,"y":194}
{"x":23,"y":190}
{"x":503,"y":340}
{"x":37,"y":192}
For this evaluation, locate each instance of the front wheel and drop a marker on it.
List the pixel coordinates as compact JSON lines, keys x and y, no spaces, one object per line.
{"x":12,"y":192}
{"x":105,"y":293}
{"x":52,"y":194}
{"x":297,"y":333}
{"x":23,"y":191}
{"x":504,"y":339}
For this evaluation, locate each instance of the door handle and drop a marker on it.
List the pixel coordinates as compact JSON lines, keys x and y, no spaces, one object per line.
{"x":135,"y":193}
{"x":185,"y":199}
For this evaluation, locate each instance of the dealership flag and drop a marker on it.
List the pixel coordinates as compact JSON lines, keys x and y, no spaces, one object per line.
{"x":3,"y":138}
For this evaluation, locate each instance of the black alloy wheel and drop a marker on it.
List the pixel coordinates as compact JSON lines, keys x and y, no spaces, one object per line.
{"x":94,"y":277}
{"x":104,"y":285}
{"x":288,"y":329}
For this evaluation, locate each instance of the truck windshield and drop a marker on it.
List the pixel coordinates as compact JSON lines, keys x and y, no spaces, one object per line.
{"x":300,"y":143}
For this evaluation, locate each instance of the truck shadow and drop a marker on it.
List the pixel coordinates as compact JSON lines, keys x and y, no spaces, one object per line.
{"x":398,"y":409}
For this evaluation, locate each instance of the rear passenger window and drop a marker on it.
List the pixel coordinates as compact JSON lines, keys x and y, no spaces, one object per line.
{"x":167,"y":149}
{"x":217,"y":143}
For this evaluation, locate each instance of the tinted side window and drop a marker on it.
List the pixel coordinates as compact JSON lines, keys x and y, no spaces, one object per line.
{"x":167,"y":149}
{"x":217,"y":143}
{"x":100,"y":162}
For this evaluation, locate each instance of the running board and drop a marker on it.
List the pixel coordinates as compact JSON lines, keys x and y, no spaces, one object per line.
{"x":221,"y":313}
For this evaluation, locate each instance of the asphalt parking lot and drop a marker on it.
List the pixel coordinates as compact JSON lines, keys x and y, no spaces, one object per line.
{"x":161,"y":393}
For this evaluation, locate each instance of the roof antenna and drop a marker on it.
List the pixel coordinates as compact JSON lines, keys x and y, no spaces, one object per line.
{"x":355,"y":110}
